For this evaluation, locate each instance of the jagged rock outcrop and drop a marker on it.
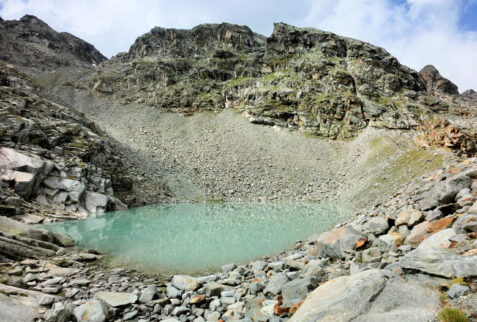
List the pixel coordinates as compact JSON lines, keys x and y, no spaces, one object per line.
{"x":53,"y":155}
{"x":470,"y":93}
{"x":32,"y":45}
{"x":435,"y":82}
{"x":300,"y":78}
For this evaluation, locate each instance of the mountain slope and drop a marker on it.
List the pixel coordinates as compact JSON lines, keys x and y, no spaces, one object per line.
{"x":34,"y":47}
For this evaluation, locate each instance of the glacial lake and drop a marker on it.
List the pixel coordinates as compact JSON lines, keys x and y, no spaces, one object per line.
{"x":199,"y":237}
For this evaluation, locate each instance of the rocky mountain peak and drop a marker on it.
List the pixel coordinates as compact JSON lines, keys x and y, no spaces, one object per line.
{"x":435,"y":81}
{"x":196,"y":41}
{"x":33,"y":46}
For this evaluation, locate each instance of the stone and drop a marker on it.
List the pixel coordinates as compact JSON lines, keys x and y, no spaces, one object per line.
{"x":418,"y":234}
{"x":433,"y":256}
{"x":413,"y":300}
{"x":95,"y":202}
{"x":213,"y":289}
{"x":60,"y":312}
{"x":444,"y":192}
{"x":212,"y":316}
{"x":295,"y":291}
{"x":314,"y":268}
{"x":372,"y":254}
{"x":173,"y":292}
{"x":214,"y":305}
{"x":185,"y":283}
{"x":438,"y":225}
{"x":409,"y":218}
{"x":473,"y":210}
{"x":46,"y":300}
{"x":341,"y":299}
{"x":275,"y":284}
{"x":130,"y":315}
{"x":466,"y":223}
{"x":148,"y":294}
{"x":340,"y":241}
{"x":277,"y":266}
{"x":258,"y":265}
{"x":197,"y":299}
{"x":377,"y":225}
{"x":435,"y":82}
{"x":178,"y":310}
{"x":116,"y":299}
{"x":457,"y":290}
{"x":228,"y":268}
{"x":93,"y":310}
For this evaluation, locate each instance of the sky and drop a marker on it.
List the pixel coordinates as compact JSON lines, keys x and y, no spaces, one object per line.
{"x":418,"y":32}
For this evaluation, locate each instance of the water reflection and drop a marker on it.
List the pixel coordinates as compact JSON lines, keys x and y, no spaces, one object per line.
{"x":188,"y":238}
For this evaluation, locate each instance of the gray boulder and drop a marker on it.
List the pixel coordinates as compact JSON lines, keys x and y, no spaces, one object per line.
{"x":92,"y":310}
{"x":457,"y":290}
{"x":297,"y":290}
{"x":444,"y":192}
{"x":95,"y":202}
{"x":377,"y":225}
{"x":339,"y":241}
{"x":275,"y":284}
{"x":115,"y":299}
{"x":185,"y":283}
{"x":433,"y":256}
{"x":341,"y":299}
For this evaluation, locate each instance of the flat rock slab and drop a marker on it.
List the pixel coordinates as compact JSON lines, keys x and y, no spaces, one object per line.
{"x":185,"y":283}
{"x":18,"y":308}
{"x":411,"y":300}
{"x":433,"y":256}
{"x":115,"y":299}
{"x":341,"y":299}
{"x":371,"y":296}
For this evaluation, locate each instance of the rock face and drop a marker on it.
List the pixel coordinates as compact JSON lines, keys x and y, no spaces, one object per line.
{"x":303,"y":78}
{"x":435,"y":82}
{"x":52,"y":155}
{"x":41,"y":47}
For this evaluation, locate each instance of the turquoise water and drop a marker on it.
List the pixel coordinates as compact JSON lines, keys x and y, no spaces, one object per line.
{"x":196,"y":237}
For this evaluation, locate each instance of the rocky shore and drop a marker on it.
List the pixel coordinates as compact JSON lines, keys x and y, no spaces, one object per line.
{"x":411,"y":258}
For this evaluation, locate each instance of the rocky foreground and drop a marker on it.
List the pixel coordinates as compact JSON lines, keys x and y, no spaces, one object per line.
{"x":413,"y":258}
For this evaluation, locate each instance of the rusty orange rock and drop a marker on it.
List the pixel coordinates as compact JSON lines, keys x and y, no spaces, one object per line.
{"x":295,"y":307}
{"x":360,"y":243}
{"x":438,"y":225}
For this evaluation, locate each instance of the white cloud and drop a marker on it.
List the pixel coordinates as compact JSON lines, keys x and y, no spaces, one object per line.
{"x":417,"y":32}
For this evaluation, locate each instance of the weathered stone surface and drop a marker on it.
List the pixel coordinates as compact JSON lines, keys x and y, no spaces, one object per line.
{"x":341,"y":299}
{"x":15,"y":308}
{"x":418,"y":234}
{"x":275,"y":284}
{"x":372,"y":254}
{"x":92,"y":310}
{"x":295,"y":291}
{"x":185,"y":283}
{"x":95,"y":202}
{"x":411,"y":300}
{"x":444,"y":192}
{"x":409,"y":218}
{"x":456,"y":290}
{"x":377,"y":225}
{"x":435,"y":82}
{"x":148,"y":294}
{"x":115,"y":299}
{"x":339,"y":241}
{"x":434,"y":257}
{"x":466,"y":223}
